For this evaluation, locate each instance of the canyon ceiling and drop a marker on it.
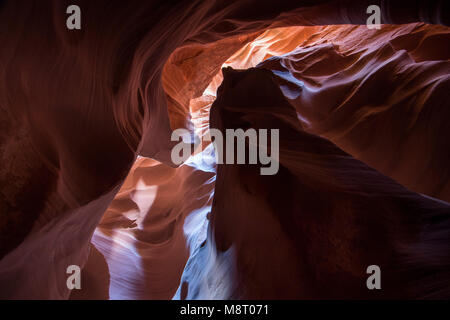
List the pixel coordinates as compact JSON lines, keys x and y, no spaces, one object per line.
{"x":86,"y":176}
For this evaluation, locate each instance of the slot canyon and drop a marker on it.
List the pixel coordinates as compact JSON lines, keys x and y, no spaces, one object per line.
{"x":87,"y":178}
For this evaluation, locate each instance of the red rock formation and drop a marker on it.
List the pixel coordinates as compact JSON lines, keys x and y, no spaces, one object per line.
{"x":142,"y":235}
{"x":78,"y":107}
{"x":333,"y":217}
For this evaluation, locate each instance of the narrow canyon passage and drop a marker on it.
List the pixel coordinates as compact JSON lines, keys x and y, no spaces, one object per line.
{"x":299,"y":58}
{"x":87,"y":176}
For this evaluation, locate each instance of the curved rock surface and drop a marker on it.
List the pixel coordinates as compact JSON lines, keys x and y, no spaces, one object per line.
{"x":85,"y":124}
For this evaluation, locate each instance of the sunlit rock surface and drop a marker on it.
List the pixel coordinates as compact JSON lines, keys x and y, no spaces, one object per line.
{"x":311,"y":230}
{"x":86,"y":177}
